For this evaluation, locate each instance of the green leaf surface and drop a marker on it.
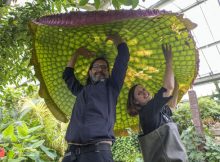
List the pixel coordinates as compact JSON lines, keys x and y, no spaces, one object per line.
{"x":116,"y":4}
{"x":49,"y":153}
{"x":37,"y":144}
{"x":97,"y":3}
{"x":33,"y":129}
{"x":20,"y":159}
{"x":83,"y":2}
{"x":9,"y":133}
{"x":135,"y":3}
{"x":22,"y":130}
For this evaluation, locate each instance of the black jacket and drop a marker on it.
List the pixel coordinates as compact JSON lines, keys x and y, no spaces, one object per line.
{"x":93,"y":115}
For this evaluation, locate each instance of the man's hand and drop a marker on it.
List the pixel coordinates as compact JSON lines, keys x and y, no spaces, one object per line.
{"x":80,"y":51}
{"x":84,"y":52}
{"x":116,"y":38}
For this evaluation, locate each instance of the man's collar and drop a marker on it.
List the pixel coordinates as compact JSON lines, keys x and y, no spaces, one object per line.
{"x":102,"y":80}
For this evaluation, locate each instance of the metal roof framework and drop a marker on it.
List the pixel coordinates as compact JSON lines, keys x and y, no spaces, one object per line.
{"x":207,"y":34}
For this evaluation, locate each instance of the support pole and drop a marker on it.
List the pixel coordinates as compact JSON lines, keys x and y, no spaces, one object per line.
{"x":195,"y":112}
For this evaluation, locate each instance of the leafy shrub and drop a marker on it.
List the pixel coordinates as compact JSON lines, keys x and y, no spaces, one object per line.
{"x":200,"y":149}
{"x":209,"y":111}
{"x":183,"y":117}
{"x":126,"y":149}
{"x":23,"y":141}
{"x":22,"y":137}
{"x":209,"y":108}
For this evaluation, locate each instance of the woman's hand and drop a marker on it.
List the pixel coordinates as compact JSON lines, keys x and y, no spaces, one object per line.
{"x":167,"y":52}
{"x":168,"y":75}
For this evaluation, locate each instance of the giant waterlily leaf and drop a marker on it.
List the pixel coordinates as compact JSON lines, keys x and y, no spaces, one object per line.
{"x":56,"y":37}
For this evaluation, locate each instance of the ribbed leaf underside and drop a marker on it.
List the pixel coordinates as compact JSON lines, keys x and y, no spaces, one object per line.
{"x":56,"y":38}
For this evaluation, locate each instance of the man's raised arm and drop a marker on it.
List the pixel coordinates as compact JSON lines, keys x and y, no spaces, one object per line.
{"x":121,"y":61}
{"x":68,"y":75}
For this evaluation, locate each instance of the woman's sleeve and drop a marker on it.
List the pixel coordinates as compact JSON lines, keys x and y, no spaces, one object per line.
{"x":159,"y":100}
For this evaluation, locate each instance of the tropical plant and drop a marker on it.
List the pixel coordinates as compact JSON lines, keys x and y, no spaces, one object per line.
{"x":21,"y":137}
{"x":24,"y":142}
{"x":84,"y":4}
{"x":183,"y":116}
{"x":200,"y":149}
{"x":127,"y":149}
{"x":209,"y":112}
{"x":209,"y":108}
{"x":54,"y":138}
{"x":15,"y":42}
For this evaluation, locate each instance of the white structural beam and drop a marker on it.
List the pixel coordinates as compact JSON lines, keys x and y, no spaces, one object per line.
{"x":207,"y":79}
{"x":160,"y":4}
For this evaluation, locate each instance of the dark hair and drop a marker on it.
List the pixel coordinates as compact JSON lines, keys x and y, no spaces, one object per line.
{"x":131,"y":106}
{"x":91,"y":65}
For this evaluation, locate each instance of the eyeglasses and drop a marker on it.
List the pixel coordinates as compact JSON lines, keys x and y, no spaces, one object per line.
{"x":97,"y":66}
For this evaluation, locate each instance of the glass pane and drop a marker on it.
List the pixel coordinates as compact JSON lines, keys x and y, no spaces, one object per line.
{"x":212,"y":13}
{"x":183,"y":3}
{"x":213,"y":56}
{"x":211,"y":10}
{"x":201,"y":32}
{"x":171,"y":7}
{"x":209,"y":89}
{"x":177,"y":5}
{"x":199,"y":89}
{"x":203,"y":65}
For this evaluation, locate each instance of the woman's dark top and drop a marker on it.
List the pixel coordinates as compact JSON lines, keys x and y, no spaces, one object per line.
{"x":150,"y":114}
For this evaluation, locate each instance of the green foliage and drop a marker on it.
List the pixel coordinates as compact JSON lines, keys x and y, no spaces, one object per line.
{"x":22,"y":134}
{"x":83,"y":2}
{"x":209,"y":108}
{"x":200,"y":149}
{"x":212,"y":153}
{"x":23,"y":140}
{"x":126,"y":149}
{"x":116,"y":4}
{"x":55,"y":129}
{"x":97,"y":3}
{"x":183,"y":117}
{"x":132,"y":3}
{"x":209,"y":111}
{"x":191,"y":142}
{"x":15,"y":42}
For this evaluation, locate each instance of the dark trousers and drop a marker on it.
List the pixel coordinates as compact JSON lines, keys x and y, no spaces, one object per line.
{"x":88,"y":154}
